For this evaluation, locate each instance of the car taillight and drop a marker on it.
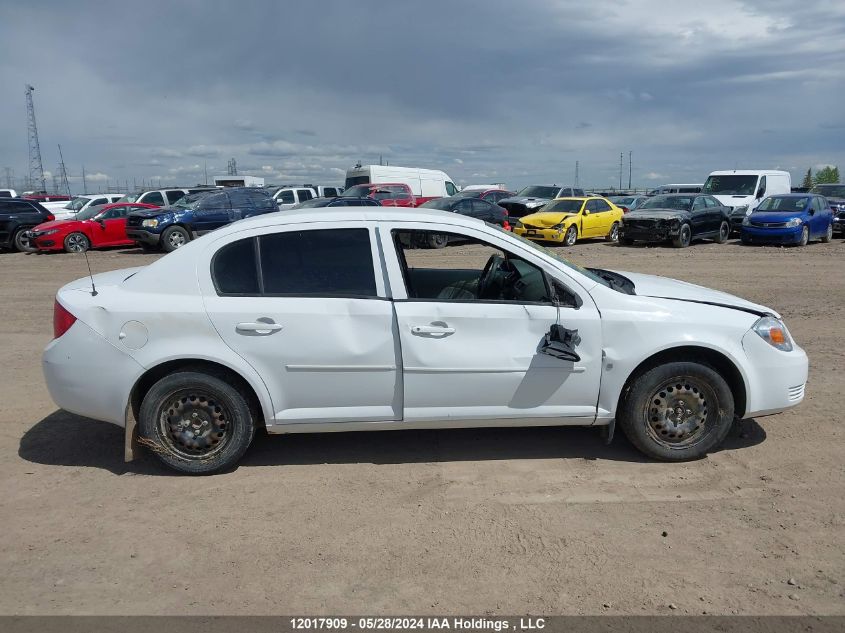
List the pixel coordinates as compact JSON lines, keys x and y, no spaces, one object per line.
{"x":506,"y":226}
{"x":50,"y":217}
{"x":62,"y":319}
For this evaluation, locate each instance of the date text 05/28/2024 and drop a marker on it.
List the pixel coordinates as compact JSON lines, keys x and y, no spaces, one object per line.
{"x":416,"y":623}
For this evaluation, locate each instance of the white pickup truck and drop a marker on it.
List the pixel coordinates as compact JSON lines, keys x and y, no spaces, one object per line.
{"x":67,"y":210}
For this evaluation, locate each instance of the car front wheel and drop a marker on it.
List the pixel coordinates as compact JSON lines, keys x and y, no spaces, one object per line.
{"x":173,"y":238}
{"x":805,"y":237}
{"x":684,"y":237}
{"x":196,"y":423}
{"x":677,"y":411}
{"x":571,"y":236}
{"x":76,"y":243}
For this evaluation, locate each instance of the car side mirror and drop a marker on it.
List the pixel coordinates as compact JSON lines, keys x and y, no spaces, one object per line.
{"x":101,"y":222}
{"x":812,"y":212}
{"x":586,"y":212}
{"x":760,"y":192}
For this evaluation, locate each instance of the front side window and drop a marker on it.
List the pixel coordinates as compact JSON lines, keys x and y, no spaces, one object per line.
{"x":451,"y":189}
{"x":174,"y":195}
{"x":493,"y":274}
{"x":698,"y":204}
{"x":214,"y":202}
{"x":285,"y":197}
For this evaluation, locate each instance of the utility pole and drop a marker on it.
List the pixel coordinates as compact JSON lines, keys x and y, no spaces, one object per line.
{"x":63,"y":173}
{"x":36,"y":168}
{"x":84,"y":184}
{"x":621,"y":155}
{"x":576,"y":173}
{"x":205,"y":170}
{"x":630,"y":167}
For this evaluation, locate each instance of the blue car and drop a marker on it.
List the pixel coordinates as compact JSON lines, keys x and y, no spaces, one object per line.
{"x":168,"y":228}
{"x":793,"y":218}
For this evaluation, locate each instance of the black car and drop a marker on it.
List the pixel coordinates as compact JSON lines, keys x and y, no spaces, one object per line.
{"x":835,"y":194}
{"x":531,"y":198}
{"x":171,"y":227}
{"x":471,"y":207}
{"x":17,"y":217}
{"x":337,"y":202}
{"x":681,"y":218}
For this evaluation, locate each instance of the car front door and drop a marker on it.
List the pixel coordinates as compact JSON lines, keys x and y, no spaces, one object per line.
{"x":113,"y":228}
{"x":700,"y":217}
{"x":470,"y":338}
{"x":591,"y":222}
{"x":211,"y":213}
{"x":315,"y":324}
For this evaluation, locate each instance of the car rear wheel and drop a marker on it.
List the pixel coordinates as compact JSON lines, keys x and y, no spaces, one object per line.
{"x":684,"y":237}
{"x":173,"y":238}
{"x":613,"y":235}
{"x":196,"y":423}
{"x":724,"y":233}
{"x":677,"y":411}
{"x":805,"y":236}
{"x":828,"y":235}
{"x":76,"y":243}
{"x":22,"y":242}
{"x":571,"y":236}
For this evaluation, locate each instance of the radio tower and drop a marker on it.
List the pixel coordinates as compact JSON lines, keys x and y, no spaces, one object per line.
{"x":232,"y":167}
{"x":63,"y":173}
{"x":36,"y":169}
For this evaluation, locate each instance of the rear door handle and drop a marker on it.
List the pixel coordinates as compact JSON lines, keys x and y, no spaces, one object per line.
{"x":432,"y":329}
{"x":258,"y":327}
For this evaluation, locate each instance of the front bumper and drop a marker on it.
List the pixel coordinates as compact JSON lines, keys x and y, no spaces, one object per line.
{"x":757,"y":235}
{"x":838,"y":225}
{"x":143,"y":236}
{"x":46,"y":242}
{"x":776,"y":379}
{"x":545,"y":235}
{"x":642,"y":234}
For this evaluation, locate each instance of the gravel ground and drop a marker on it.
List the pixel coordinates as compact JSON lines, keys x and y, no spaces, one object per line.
{"x":505,"y":521}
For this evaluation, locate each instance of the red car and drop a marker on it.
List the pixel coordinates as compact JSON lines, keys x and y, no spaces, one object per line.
{"x":94,"y":227}
{"x":389,"y":194}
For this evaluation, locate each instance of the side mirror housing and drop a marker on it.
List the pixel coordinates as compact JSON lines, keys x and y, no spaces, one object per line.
{"x":586,"y":212}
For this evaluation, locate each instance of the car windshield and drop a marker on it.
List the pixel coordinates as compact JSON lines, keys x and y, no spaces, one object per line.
{"x":562,"y":206}
{"x":439,"y":203}
{"x":783,"y":204}
{"x":730,"y":185}
{"x":77,"y":203}
{"x":190,"y":201}
{"x":131,"y":197}
{"x":89,"y":213}
{"x":538,"y":191}
{"x":359,"y":191}
{"x":553,"y":254}
{"x":681,"y":203}
{"x":831,"y":191}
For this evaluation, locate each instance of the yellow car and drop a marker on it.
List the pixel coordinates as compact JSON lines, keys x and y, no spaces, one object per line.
{"x":567,"y":220}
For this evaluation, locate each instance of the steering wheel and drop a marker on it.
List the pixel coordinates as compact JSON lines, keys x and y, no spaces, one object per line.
{"x":493,"y":264}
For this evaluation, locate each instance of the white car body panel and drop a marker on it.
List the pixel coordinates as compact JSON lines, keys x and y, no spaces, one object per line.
{"x":351,"y":364}
{"x":61,"y":212}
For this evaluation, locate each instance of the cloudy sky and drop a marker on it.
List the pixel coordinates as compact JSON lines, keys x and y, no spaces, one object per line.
{"x":487,"y":90}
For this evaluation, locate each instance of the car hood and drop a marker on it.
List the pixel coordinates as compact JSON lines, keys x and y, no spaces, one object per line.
{"x":662,"y":214}
{"x":56,"y":224}
{"x":546,"y":219}
{"x":775,"y":216}
{"x":151,"y":213}
{"x":523,"y":200}
{"x":666,"y":288}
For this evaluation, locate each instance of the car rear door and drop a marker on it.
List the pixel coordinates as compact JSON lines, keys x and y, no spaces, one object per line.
{"x":469,"y":354}
{"x":315,"y":324}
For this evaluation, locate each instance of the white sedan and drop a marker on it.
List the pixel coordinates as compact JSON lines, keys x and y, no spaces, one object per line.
{"x":337,"y":320}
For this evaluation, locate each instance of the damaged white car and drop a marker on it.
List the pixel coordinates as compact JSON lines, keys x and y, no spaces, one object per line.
{"x":337,"y":320}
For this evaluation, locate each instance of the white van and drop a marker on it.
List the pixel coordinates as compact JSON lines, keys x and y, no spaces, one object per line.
{"x":743,"y":189}
{"x":425,"y":184}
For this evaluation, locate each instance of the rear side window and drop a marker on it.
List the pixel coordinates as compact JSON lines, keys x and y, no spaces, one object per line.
{"x":234,"y":269}
{"x":330,"y":192}
{"x":304,"y":194}
{"x":154,"y":197}
{"x":328,"y":262}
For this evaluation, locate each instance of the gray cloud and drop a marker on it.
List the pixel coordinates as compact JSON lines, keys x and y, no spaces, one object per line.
{"x":515,"y":92}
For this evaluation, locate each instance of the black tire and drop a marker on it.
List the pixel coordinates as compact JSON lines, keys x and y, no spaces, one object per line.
{"x":196,"y":423}
{"x":677,"y":411}
{"x":76,"y":243}
{"x":20,"y":241}
{"x":724,"y":232}
{"x":829,"y":235}
{"x":174,"y":237}
{"x":684,"y":237}
{"x":613,"y":235}
{"x":805,"y":236}
{"x":437,"y":240}
{"x":571,"y":236}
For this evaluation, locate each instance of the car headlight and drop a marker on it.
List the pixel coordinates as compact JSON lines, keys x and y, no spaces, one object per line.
{"x":774,"y":332}
{"x":150,"y":224}
{"x":50,"y":232}
{"x":746,"y":221}
{"x":793,"y":222}
{"x":740,"y":210}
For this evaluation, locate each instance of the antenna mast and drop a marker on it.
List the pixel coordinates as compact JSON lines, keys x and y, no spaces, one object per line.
{"x":36,"y":168}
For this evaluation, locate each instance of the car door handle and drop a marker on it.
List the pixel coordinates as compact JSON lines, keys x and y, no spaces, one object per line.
{"x":432,"y":329}
{"x":258,"y":327}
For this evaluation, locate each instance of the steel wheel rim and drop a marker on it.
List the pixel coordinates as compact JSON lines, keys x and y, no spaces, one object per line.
{"x":176,"y":239}
{"x":23,"y":241}
{"x":830,"y":231}
{"x":76,"y":243}
{"x":805,"y":235}
{"x":686,"y":235}
{"x":724,"y":231}
{"x":677,"y":412}
{"x":571,"y":236}
{"x":614,"y":233}
{"x":194,"y":424}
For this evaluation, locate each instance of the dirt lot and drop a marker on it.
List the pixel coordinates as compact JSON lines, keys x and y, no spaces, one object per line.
{"x":513,"y":521}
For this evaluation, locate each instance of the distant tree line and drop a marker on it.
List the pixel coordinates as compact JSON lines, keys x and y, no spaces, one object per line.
{"x":823,"y":176}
